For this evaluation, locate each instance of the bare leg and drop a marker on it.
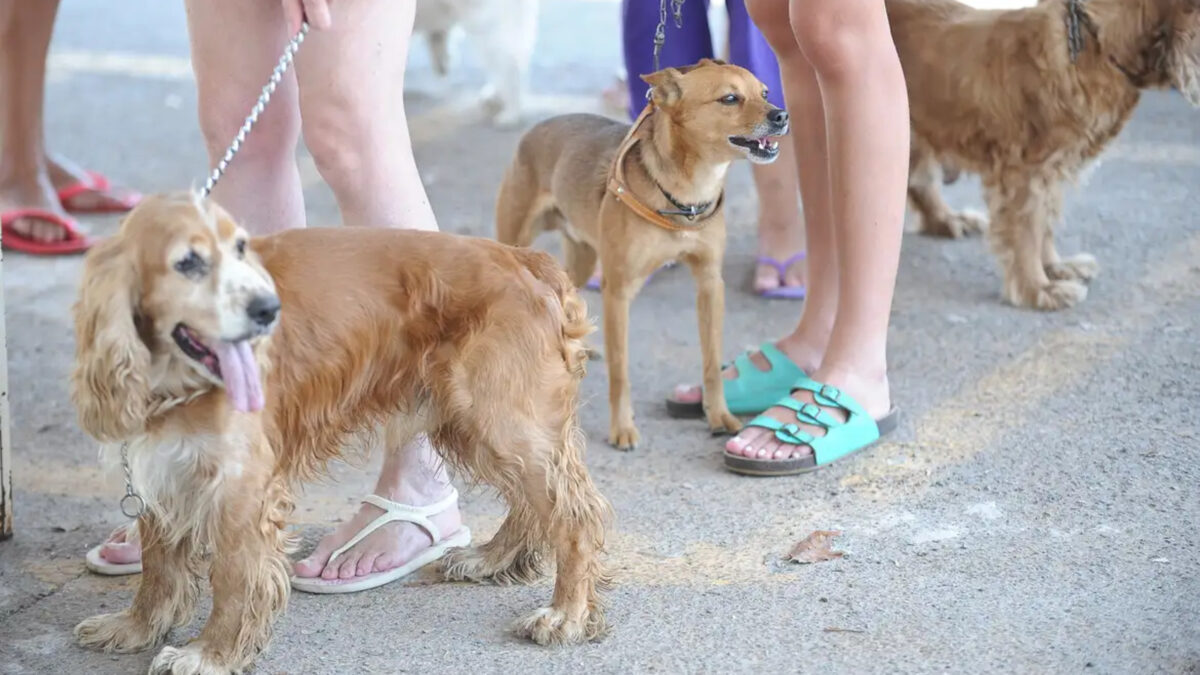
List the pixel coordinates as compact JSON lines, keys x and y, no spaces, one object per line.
{"x":806,"y":345}
{"x":359,"y":139}
{"x":25,"y":29}
{"x":780,"y":224}
{"x":352,"y":103}
{"x":232,"y":60}
{"x":860,"y":86}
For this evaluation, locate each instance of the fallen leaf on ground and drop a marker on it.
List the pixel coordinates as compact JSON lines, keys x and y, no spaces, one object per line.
{"x":815,"y":548}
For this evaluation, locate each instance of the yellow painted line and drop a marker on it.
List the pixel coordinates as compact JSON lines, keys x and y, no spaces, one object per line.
{"x":977,"y":418}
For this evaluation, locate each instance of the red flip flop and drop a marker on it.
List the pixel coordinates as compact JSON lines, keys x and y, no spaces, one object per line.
{"x":75,"y":241}
{"x":97,"y":182}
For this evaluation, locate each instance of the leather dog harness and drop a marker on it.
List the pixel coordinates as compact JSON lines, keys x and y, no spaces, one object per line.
{"x":619,"y":189}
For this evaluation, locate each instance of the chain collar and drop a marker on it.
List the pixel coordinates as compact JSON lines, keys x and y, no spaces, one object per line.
{"x":132,"y":504}
{"x":689,"y":211}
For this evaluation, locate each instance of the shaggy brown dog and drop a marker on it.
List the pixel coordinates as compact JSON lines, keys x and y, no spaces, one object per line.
{"x":996,"y":93}
{"x":642,"y":195}
{"x":475,"y":343}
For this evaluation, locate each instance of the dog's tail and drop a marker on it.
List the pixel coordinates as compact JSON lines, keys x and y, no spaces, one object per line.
{"x":581,"y":508}
{"x":572,"y":310}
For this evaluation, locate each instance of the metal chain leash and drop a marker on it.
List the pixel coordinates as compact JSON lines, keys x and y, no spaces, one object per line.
{"x":660,"y":33}
{"x":276,"y":76}
{"x":133,"y":505}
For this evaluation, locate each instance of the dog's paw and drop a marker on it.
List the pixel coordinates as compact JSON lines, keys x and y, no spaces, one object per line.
{"x":1082,"y":267}
{"x":552,"y":626}
{"x":1055,"y":295}
{"x":723,"y":422}
{"x":955,"y":226}
{"x":484,"y":564}
{"x":118,"y":632}
{"x":189,"y":660}
{"x":623,"y":437}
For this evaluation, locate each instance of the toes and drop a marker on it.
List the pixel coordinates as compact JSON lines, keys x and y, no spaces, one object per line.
{"x":688,"y":394}
{"x":366,"y":564}
{"x":349,"y":566}
{"x":385,"y":562}
{"x":315,"y":563}
{"x":121,"y":553}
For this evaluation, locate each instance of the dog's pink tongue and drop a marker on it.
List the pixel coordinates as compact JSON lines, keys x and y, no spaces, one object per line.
{"x":240,"y":372}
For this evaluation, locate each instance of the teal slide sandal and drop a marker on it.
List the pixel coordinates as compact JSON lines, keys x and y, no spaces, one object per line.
{"x":859,"y":431}
{"x":753,"y":390}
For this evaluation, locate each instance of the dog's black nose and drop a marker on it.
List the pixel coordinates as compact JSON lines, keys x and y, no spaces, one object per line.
{"x":263,"y":309}
{"x":778,"y":117}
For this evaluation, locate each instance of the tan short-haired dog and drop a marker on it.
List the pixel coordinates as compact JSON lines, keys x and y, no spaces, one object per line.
{"x":228,"y":369}
{"x":642,"y":195}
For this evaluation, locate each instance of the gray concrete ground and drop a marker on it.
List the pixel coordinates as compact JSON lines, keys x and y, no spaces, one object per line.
{"x":1036,"y":512}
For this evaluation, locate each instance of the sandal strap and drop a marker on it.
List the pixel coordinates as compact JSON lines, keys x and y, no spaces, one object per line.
{"x":809,"y":413}
{"x":395,"y":511}
{"x":788,"y":432}
{"x":829,"y":395}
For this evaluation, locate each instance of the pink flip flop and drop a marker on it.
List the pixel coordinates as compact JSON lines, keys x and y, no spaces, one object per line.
{"x":783,"y":291}
{"x":75,"y":241}
{"x":97,"y":182}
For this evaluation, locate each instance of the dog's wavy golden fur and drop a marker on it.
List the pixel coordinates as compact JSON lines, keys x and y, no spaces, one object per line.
{"x":473,"y":342}
{"x":996,"y":93}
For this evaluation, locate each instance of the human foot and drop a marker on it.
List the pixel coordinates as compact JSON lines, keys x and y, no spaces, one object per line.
{"x":822,"y":420}
{"x":390,"y":546}
{"x":780,"y":278}
{"x":32,"y":194}
{"x":120,"y":554}
{"x":753,"y":381}
{"x":84,"y":191}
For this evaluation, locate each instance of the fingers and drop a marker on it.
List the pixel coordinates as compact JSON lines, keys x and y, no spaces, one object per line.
{"x":317,"y":13}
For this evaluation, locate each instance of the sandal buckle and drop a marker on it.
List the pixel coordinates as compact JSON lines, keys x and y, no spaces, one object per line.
{"x":831,"y":393}
{"x":811,"y":410}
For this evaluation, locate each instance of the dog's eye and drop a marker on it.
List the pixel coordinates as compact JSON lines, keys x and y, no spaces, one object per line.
{"x":191,"y":265}
{"x":764,"y":94}
{"x":729,"y":99}
{"x":241,"y":248}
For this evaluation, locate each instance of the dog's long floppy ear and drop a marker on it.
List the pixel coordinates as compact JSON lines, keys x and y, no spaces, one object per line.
{"x":109,"y":383}
{"x":1185,"y":53}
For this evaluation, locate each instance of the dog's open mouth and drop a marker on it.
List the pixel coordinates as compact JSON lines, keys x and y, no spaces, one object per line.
{"x":232,"y":363}
{"x":763,"y":148}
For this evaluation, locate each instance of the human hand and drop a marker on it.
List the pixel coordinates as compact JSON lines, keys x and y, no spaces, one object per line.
{"x":316,"y":11}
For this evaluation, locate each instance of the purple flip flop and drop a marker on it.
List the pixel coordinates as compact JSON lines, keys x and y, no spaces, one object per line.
{"x":782,"y":291}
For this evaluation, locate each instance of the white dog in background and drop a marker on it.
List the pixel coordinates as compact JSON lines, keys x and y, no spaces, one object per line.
{"x":502,"y":31}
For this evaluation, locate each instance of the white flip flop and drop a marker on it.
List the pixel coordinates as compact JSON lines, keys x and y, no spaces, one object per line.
{"x":99,"y":565}
{"x":393,"y":511}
